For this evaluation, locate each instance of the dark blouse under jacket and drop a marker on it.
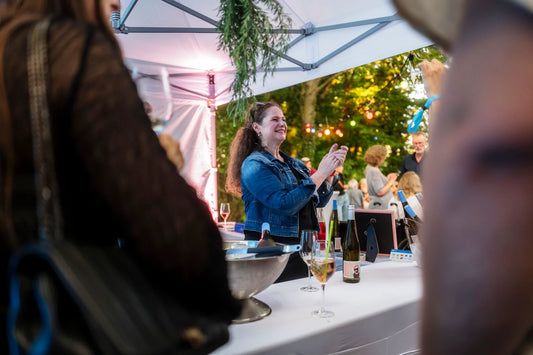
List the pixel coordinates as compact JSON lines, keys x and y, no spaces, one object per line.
{"x":115,"y":179}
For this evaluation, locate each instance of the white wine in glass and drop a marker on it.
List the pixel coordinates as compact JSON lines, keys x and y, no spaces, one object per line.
{"x":323,"y":268}
{"x":224,"y":213}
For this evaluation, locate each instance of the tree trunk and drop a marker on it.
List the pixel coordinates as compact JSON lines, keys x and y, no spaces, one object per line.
{"x":309,"y":95}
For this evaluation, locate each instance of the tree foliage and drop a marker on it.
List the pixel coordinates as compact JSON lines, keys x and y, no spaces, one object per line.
{"x":253,"y":40}
{"x":384,"y":87}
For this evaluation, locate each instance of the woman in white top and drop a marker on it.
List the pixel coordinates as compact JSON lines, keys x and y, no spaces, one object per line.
{"x":379,"y":186}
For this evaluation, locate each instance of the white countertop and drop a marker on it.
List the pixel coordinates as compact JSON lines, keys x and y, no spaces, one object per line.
{"x":379,"y":315}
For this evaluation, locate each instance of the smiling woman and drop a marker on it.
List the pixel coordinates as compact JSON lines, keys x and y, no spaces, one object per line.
{"x":275,"y":187}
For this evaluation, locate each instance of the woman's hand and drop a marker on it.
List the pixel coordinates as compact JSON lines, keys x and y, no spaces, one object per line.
{"x":334,"y":158}
{"x":340,"y":154}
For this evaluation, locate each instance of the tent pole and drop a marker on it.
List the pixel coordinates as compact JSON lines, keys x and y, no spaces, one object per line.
{"x":214,"y":170}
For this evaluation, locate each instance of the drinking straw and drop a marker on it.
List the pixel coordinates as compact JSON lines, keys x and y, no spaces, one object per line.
{"x":327,"y":247}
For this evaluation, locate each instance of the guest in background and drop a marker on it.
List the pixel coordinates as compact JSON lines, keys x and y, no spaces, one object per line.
{"x":309,"y":164}
{"x":339,"y":186}
{"x":364,"y":190}
{"x":343,"y":201}
{"x":275,"y":187}
{"x":413,"y":162}
{"x":379,"y":186}
{"x":477,"y":262}
{"x":354,"y":194}
{"x":410,"y":184}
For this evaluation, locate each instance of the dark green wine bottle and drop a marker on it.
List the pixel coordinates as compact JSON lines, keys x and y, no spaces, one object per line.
{"x":334,"y":227}
{"x":351,"y":250}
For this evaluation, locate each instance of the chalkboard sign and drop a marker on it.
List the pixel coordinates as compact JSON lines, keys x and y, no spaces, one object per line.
{"x":383,"y":222}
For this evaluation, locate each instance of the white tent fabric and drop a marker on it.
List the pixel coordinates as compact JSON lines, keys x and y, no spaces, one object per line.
{"x":180,"y":38}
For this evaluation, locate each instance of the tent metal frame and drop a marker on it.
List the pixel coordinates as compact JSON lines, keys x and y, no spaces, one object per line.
{"x":308,"y":30}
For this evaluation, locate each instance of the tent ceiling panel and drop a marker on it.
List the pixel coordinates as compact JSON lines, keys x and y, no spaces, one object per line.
{"x":188,"y":53}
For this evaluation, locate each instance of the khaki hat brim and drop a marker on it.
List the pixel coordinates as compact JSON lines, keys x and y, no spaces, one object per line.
{"x":439,"y":20}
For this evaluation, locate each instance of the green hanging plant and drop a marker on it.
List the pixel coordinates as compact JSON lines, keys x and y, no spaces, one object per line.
{"x":253,"y":43}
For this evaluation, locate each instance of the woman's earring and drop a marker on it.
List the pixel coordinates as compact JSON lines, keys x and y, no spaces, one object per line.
{"x":259,"y":134}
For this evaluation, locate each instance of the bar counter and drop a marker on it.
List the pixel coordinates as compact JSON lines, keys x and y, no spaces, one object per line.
{"x":377,"y":316}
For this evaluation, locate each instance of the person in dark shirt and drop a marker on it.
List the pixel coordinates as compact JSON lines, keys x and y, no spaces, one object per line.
{"x":413,"y":162}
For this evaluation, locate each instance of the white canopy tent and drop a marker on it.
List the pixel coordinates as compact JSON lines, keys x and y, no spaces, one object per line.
{"x":176,"y":41}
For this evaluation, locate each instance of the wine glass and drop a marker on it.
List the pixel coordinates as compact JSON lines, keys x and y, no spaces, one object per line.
{"x":224,"y":212}
{"x":323,"y":268}
{"x":307,"y":240}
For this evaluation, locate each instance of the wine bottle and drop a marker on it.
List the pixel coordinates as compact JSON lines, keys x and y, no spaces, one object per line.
{"x":351,"y":250}
{"x":334,"y":227}
{"x":411,"y":219}
{"x":266,"y":239}
{"x":321,"y":223}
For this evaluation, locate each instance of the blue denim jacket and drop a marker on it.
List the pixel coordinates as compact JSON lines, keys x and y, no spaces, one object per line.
{"x":271,"y":193}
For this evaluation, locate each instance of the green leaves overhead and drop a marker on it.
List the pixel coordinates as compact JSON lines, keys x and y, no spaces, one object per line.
{"x":254,"y":33}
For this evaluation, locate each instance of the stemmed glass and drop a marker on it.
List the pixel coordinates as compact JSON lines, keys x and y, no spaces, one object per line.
{"x":307,"y":241}
{"x":323,"y":267}
{"x":224,"y":212}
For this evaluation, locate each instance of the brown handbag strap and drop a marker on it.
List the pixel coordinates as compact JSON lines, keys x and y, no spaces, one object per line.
{"x":46,"y":187}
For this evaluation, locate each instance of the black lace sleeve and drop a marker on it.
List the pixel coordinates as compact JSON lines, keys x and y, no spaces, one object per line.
{"x":125,"y":179}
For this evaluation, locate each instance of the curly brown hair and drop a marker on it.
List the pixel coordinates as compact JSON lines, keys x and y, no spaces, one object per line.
{"x":375,"y":154}
{"x":245,"y":142}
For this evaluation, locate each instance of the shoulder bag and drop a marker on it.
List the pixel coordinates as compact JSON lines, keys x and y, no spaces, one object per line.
{"x":77,"y":299}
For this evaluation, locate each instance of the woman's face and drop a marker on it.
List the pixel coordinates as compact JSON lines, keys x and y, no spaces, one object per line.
{"x":273,"y":129}
{"x":107,"y":6}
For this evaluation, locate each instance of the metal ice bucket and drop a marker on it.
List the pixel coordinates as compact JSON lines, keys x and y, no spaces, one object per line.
{"x":249,"y":275}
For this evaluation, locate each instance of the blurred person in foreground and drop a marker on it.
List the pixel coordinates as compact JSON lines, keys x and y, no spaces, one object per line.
{"x":477,"y":265}
{"x":114,"y":177}
{"x":379,"y":186}
{"x":275,"y":187}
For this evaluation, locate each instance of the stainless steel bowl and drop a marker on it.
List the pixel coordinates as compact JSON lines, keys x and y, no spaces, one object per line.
{"x":248,"y":276}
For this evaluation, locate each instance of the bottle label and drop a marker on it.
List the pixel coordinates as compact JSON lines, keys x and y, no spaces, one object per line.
{"x":337,"y":243}
{"x":350,"y":269}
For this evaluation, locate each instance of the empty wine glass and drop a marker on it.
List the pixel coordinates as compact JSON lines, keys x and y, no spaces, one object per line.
{"x":224,"y":212}
{"x":307,"y":241}
{"x":323,"y":268}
